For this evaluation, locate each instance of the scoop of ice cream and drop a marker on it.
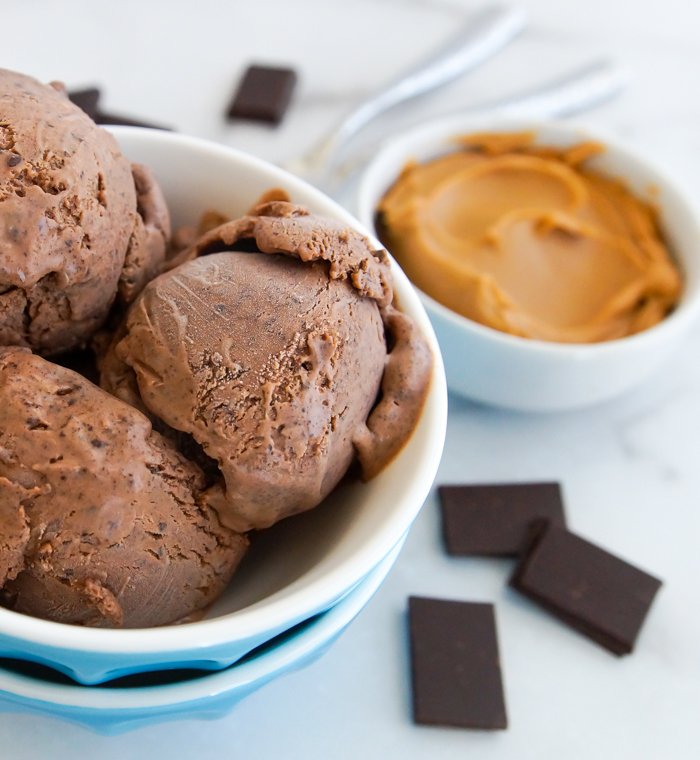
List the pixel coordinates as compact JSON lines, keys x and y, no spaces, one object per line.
{"x":100,"y":522}
{"x":404,"y":389}
{"x":67,"y":213}
{"x":272,"y":358}
{"x":278,"y":226}
{"x":270,"y":365}
{"x":145,"y":253}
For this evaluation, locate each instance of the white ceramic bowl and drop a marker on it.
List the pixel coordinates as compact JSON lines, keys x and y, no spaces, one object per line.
{"x":532,"y":375}
{"x":303,"y":565}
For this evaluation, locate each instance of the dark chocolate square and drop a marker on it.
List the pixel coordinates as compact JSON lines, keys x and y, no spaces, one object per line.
{"x":87,"y":99}
{"x":494,"y":519}
{"x":598,"y":594}
{"x":263,"y":94}
{"x":456,"y":672}
{"x":126,"y":121}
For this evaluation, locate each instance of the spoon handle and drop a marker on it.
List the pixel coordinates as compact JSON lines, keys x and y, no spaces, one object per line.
{"x":576,"y":92}
{"x":584,"y":89}
{"x":483,"y":37}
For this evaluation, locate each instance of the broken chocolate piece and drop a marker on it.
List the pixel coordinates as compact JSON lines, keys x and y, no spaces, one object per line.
{"x":455,"y":664}
{"x":125,"y":121}
{"x":87,"y":99}
{"x":598,"y":594}
{"x":494,"y":519}
{"x":263,"y":94}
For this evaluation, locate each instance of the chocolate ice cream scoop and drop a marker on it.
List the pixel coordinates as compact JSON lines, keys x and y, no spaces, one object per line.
{"x":100,"y":522}
{"x":272,"y":358}
{"x":68,"y":210}
{"x":145,"y":253}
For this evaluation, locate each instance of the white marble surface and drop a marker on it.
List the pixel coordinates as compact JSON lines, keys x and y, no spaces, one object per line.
{"x":629,"y":469}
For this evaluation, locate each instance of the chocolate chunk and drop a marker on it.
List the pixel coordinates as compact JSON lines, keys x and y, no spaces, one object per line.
{"x":126,"y":121}
{"x":494,"y":519}
{"x":12,"y":160}
{"x":263,"y":94}
{"x":598,"y":594}
{"x":87,"y":99}
{"x":455,"y":664}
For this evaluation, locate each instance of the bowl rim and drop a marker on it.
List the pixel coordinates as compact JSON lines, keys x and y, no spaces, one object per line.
{"x":261,"y":617}
{"x":438,"y":133}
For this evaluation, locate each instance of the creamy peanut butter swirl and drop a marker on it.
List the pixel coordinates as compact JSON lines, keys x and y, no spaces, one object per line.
{"x":530,"y":241}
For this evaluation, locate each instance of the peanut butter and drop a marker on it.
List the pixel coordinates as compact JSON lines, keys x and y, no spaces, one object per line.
{"x":526,"y":239}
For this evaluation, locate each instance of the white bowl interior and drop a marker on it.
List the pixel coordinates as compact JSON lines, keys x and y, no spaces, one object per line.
{"x":303,"y":564}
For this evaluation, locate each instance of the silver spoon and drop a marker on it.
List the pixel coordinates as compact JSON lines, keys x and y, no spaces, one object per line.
{"x":588,"y":87}
{"x":595,"y":84}
{"x":482,"y":38}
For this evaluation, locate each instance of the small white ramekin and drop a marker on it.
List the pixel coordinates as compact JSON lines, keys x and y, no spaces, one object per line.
{"x":303,"y":565}
{"x":532,"y":375}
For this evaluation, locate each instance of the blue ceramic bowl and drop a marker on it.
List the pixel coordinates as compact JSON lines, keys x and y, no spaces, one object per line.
{"x":300,"y":567}
{"x":115,"y":709}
